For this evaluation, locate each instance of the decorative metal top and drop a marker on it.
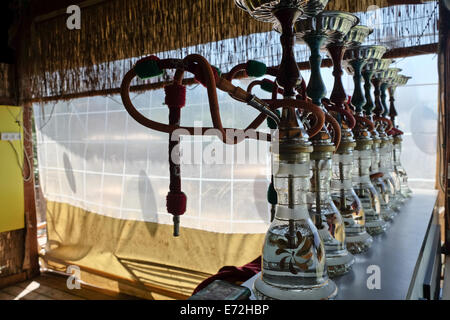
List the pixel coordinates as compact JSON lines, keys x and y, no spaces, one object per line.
{"x":365,"y":52}
{"x":262,"y":10}
{"x":401,"y":79}
{"x":378,"y":65}
{"x":357,"y":35}
{"x":334,"y":24}
{"x":390,"y":75}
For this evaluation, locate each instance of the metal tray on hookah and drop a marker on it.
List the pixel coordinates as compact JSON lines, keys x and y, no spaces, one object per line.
{"x":401,"y":79}
{"x":333,"y":24}
{"x":366,"y":53}
{"x":262,"y":10}
{"x":378,"y":65}
{"x":390,"y":74}
{"x":357,"y":35}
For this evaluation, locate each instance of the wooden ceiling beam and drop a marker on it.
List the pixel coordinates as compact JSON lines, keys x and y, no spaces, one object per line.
{"x":392,"y":54}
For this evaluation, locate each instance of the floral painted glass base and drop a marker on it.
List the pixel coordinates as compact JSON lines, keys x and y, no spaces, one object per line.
{"x":294,"y":266}
{"x":293,"y":258}
{"x":344,"y":197}
{"x":405,"y":191}
{"x":399,"y":174}
{"x":327,"y":218}
{"x":383,"y":184}
{"x":398,"y":186}
{"x":358,"y":240}
{"x":394,"y":195}
{"x":385,"y":193}
{"x":367,"y":193}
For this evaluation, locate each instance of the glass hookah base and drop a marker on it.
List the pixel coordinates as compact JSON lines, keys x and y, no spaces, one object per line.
{"x":387,"y":213}
{"x":358,"y":243}
{"x":405,"y":190}
{"x":401,"y":198}
{"x":406,"y":195}
{"x":374,"y":227}
{"x":396,"y":205}
{"x":264,"y":291}
{"x":339,"y":264}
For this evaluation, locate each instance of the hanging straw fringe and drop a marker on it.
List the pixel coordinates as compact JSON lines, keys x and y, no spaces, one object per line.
{"x":115,"y":34}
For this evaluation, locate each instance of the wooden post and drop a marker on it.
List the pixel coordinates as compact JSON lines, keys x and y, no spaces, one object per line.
{"x":444,"y":88}
{"x":31,"y":261}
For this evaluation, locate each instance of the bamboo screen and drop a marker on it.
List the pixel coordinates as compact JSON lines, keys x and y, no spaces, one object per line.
{"x":114,"y":34}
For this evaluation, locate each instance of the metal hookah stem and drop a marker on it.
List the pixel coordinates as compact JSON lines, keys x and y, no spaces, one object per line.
{"x":317,"y":182}
{"x":360,"y":175}
{"x":287,"y":77}
{"x":341,"y":178}
{"x":176,"y":226}
{"x":272,"y":212}
{"x":291,"y":232}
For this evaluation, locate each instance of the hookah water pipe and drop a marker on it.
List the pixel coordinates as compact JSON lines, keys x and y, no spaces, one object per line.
{"x":316,"y":32}
{"x":293,"y":259}
{"x":258,"y":69}
{"x":358,"y":240}
{"x":175,"y":99}
{"x":384,"y":181}
{"x":371,"y":67}
{"x":386,"y":162}
{"x":402,"y":177}
{"x":356,"y":58}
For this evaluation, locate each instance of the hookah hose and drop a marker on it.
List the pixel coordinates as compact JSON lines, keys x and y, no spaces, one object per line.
{"x":395,"y":132}
{"x":336,"y":129}
{"x":361,"y":120}
{"x":270,"y":86}
{"x":175,"y":99}
{"x":389,"y":125}
{"x":265,"y":84}
{"x":330,"y":106}
{"x":204,"y":74}
{"x":377,"y":175}
{"x":302,"y":90}
{"x":176,"y":199}
{"x":254,"y":68}
{"x":349,"y":106}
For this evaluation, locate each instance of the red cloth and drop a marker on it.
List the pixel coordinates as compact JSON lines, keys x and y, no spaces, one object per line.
{"x":233,"y":274}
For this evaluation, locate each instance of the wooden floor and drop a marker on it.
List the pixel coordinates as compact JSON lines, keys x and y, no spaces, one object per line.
{"x":52,"y":286}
